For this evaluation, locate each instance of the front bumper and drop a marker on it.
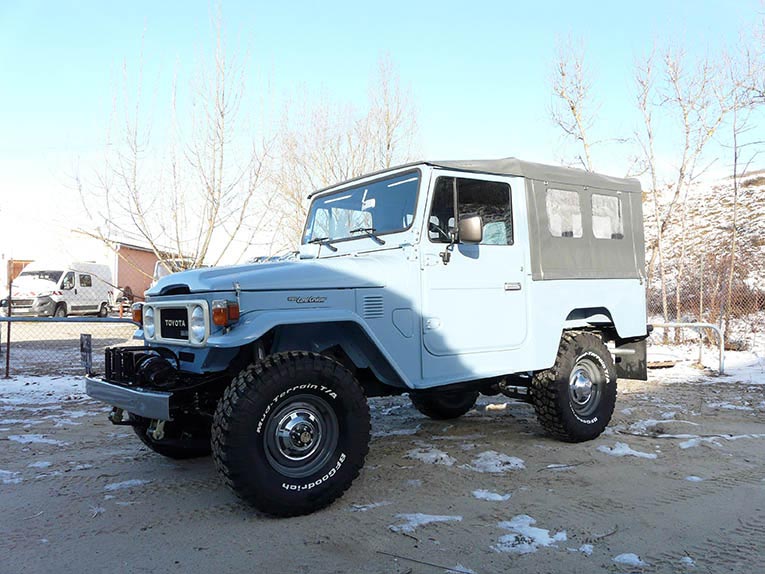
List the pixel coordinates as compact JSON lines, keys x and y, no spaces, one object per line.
{"x":135,"y":400}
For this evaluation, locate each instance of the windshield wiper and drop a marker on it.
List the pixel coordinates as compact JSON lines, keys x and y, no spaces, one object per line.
{"x":369,"y":232}
{"x":323,"y":241}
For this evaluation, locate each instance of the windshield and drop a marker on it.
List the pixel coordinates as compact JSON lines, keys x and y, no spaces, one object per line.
{"x":379,"y":207}
{"x":46,"y":275}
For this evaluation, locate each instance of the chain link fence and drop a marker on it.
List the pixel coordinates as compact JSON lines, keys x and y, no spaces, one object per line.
{"x":706,"y":295}
{"x":50,"y":346}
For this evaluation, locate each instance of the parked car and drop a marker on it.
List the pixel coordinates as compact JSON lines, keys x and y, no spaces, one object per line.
{"x":442,"y":280}
{"x":45,"y":289}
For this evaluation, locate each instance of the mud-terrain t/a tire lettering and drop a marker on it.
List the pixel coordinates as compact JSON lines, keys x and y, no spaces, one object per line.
{"x":575,"y":398}
{"x":291,"y":433}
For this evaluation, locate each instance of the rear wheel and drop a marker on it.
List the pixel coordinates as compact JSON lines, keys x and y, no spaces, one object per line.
{"x":574,"y":400}
{"x":443,"y":405}
{"x":103,"y":311}
{"x":184,"y":438}
{"x":291,"y":433}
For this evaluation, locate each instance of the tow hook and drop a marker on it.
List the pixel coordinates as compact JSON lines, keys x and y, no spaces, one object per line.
{"x":115,"y":417}
{"x":157,"y":430}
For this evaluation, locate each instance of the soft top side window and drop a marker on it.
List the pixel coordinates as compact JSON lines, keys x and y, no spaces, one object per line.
{"x":607,"y":217}
{"x":564,"y":214}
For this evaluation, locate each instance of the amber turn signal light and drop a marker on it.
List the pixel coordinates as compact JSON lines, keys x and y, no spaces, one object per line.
{"x":225,"y":312}
{"x":136,"y":310}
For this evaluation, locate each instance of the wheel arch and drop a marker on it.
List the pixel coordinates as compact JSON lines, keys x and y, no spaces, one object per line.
{"x":346,"y":341}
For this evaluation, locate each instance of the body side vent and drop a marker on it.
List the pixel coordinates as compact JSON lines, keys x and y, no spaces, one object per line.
{"x":372,"y":307}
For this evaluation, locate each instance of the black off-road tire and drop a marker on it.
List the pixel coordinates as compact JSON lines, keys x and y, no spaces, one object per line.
{"x":444,"y":405}
{"x":60,"y":310}
{"x":560,"y":406}
{"x":291,"y":433}
{"x":104,"y":310}
{"x":182,"y":441}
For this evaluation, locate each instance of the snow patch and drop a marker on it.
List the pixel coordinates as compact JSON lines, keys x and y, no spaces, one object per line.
{"x":34,"y":439}
{"x":524,"y":537}
{"x":622,"y":449}
{"x":729,"y":407}
{"x":9,"y":477}
{"x":40,"y":464}
{"x":397,"y":432}
{"x":460,"y":569}
{"x":694,"y":478}
{"x":370,"y":506}
{"x":413,"y":521}
{"x":126,"y":484}
{"x":493,"y":461}
{"x":490,"y":496}
{"x":687,"y":561}
{"x":431,"y":456}
{"x":629,"y":559}
{"x":559,"y":467}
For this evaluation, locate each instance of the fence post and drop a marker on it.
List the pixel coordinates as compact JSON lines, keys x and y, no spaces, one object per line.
{"x":8,"y":328}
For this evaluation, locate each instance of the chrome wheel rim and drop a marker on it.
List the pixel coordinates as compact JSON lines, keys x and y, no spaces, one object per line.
{"x":301,"y":436}
{"x":585,"y":387}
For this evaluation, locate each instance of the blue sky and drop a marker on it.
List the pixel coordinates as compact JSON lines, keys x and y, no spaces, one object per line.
{"x":479,"y":72}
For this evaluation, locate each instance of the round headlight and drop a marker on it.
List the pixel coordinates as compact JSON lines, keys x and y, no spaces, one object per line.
{"x":148,"y":322}
{"x":197,"y":324}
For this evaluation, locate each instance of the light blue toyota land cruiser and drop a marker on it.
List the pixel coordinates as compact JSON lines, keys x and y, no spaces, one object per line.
{"x":442,"y":280}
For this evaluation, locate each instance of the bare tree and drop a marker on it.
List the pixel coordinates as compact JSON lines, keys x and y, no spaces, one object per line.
{"x":194,"y":197}
{"x":743,"y":70}
{"x":392,"y":118}
{"x":327,"y":143}
{"x":573,"y":108}
{"x":645,"y":82}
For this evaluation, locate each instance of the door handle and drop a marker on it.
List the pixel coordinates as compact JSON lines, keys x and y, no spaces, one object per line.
{"x":512,"y":286}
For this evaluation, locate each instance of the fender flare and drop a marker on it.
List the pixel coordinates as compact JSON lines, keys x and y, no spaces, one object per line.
{"x":254,"y":325}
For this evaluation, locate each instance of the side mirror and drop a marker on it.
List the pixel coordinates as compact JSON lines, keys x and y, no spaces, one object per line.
{"x":471,"y":229}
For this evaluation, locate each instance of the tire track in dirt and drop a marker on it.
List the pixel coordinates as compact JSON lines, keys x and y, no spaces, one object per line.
{"x":739,"y":550}
{"x":604,"y":507}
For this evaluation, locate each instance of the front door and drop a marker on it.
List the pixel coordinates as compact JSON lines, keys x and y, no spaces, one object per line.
{"x":473,"y":294}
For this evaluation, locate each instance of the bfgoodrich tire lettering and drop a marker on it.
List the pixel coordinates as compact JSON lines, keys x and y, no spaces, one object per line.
{"x":291,"y":433}
{"x":574,"y":400}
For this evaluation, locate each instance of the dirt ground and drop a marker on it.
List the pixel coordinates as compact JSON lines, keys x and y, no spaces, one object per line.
{"x":78,"y":494}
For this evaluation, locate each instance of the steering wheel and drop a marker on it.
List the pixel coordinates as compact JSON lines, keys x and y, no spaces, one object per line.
{"x":435,"y":227}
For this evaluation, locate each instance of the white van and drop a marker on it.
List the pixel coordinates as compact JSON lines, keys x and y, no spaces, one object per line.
{"x":55,"y":290}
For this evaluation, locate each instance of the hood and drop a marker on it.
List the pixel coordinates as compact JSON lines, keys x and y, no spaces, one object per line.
{"x":28,"y":287}
{"x":332,"y":273}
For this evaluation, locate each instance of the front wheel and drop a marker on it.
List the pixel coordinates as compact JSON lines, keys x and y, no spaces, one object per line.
{"x":443,"y":405}
{"x":60,"y":311}
{"x":189,"y":438}
{"x":291,"y":433}
{"x":574,"y":400}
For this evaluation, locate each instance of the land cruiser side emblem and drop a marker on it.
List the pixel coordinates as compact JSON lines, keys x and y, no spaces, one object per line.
{"x":301,"y":300}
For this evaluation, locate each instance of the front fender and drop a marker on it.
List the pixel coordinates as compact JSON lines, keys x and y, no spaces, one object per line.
{"x":256,"y":324}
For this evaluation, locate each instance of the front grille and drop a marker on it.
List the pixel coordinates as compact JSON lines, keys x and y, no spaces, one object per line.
{"x":174,"y":323}
{"x":21,"y":302}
